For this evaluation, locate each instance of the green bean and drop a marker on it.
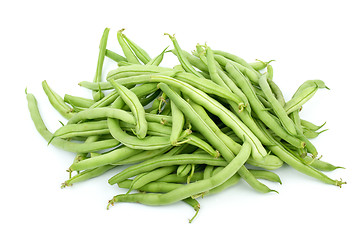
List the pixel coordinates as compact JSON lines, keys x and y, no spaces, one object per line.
{"x":125,"y":63}
{"x":303,"y":94}
{"x":184,"y":169}
{"x":130,"y":56}
{"x":209,"y":87}
{"x":312,"y":134}
{"x":147,"y":143}
{"x":156,"y":129}
{"x":60,"y":143}
{"x":147,"y":177}
{"x":106,"y":101}
{"x":162,"y":187}
{"x":137,"y":50}
{"x":151,"y":186}
{"x":124,"y":81}
{"x":286,"y":122}
{"x":143,"y":155}
{"x":274,"y":87}
{"x":163,"y":101}
{"x":154,"y":109}
{"x":270,"y":72}
{"x":97,"y":95}
{"x":165,"y":120}
{"x":57,"y":102}
{"x":297,"y":121}
{"x":81,"y":156}
{"x":87,"y":174}
{"x":136,"y":107}
{"x":320,"y":165}
{"x":193,"y":60}
{"x":208,"y":171}
{"x":236,"y":59}
{"x":177,"y":123}
{"x":259,"y":109}
{"x":252,"y":75}
{"x":166,"y":110}
{"x":189,"y":189}
{"x":277,"y":92}
{"x":267,"y":175}
{"x":174,"y":178}
{"x":166,"y":161}
{"x":158,"y":59}
{"x":125,"y":71}
{"x":265,"y":103}
{"x":113,"y":156}
{"x":146,"y":100}
{"x":259,"y":65}
{"x":308,"y":125}
{"x":114,"y":56}
{"x":102,"y":112}
{"x":82,"y":129}
{"x":211,"y":137}
{"x":182,"y":59}
{"x":232,"y":145}
{"x":297,"y":164}
{"x":78,"y":101}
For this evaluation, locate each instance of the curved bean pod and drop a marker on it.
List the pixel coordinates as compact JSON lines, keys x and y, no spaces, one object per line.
{"x":103,"y":112}
{"x":144,"y":69}
{"x":60,"y":143}
{"x":97,"y":95}
{"x":82,"y":129}
{"x":111,"y":157}
{"x":259,"y":65}
{"x":163,"y":161}
{"x":87,"y":174}
{"x":158,"y":59}
{"x":130,"y":56}
{"x":305,"y":92}
{"x":136,"y":107}
{"x":143,"y":155}
{"x":182,"y":59}
{"x":308,"y":125}
{"x":147,"y":143}
{"x":114,"y":56}
{"x":183,"y":170}
{"x":78,"y":101}
{"x":57,"y":102}
{"x":147,"y":177}
{"x":137,"y":50}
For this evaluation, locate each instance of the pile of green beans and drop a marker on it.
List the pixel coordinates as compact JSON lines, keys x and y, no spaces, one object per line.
{"x":183,"y":132}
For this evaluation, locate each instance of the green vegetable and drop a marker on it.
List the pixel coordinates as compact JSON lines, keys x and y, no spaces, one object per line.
{"x":183,"y":132}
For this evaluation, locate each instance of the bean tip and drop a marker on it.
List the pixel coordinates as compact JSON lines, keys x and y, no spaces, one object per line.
{"x":339,"y":183}
{"x":171,"y":36}
{"x":110,"y":203}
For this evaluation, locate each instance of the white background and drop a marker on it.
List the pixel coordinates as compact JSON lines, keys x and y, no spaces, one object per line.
{"x":59,"y":42}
